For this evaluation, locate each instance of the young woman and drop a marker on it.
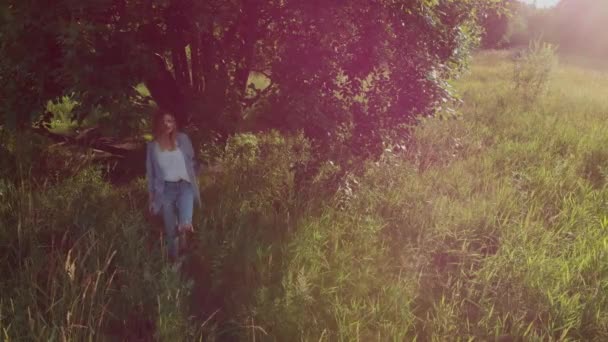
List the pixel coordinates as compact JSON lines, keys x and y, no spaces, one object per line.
{"x":172,"y":185}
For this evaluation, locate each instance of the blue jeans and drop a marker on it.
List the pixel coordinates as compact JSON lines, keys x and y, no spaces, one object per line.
{"x":178,"y":200}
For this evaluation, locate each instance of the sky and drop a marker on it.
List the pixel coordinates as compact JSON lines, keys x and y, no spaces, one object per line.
{"x":542,"y":3}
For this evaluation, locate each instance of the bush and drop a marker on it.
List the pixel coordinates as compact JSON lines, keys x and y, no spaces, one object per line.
{"x":248,"y":210}
{"x":77,"y":263}
{"x":62,"y":120}
{"x":533,"y":69}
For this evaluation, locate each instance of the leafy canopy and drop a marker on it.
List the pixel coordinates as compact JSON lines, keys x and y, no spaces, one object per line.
{"x":351,"y":72}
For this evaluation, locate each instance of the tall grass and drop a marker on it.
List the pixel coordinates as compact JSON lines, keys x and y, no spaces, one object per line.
{"x":491,"y":225}
{"x":77,"y":264}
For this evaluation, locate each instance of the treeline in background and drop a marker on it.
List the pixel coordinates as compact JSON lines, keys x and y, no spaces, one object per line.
{"x":575,"y":26}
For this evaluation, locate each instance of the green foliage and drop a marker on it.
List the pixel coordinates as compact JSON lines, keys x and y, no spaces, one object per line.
{"x":77,"y":263}
{"x":250,"y":204}
{"x":260,"y":170}
{"x":62,"y":120}
{"x":349,"y":73}
{"x":480,"y":229}
{"x":489,"y":226}
{"x":492,"y":236}
{"x":533,"y":68}
{"x":172,"y":323}
{"x":495,"y":22}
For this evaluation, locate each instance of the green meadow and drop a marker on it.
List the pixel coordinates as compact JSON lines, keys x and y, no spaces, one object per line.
{"x":489,"y":224}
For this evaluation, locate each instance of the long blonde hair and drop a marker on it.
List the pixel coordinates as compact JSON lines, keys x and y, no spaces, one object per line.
{"x":157,"y":128}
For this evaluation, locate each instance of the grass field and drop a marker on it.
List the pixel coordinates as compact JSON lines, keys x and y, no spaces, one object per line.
{"x":492,"y":225}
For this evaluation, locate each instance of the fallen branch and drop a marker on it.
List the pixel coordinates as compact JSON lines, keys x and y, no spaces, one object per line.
{"x":84,"y":139}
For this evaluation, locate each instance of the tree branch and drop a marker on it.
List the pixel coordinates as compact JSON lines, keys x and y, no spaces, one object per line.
{"x":116,"y":149}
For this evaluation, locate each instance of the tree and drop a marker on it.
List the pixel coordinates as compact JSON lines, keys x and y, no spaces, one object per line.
{"x":495,"y":24}
{"x":347,"y":71}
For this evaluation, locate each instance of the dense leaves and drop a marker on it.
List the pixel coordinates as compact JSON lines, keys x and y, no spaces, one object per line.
{"x":495,"y":24}
{"x":350,"y":72}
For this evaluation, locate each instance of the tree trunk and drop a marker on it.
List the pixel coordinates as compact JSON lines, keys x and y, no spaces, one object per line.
{"x":248,"y":31}
{"x":179,"y":67}
{"x":165,"y":90}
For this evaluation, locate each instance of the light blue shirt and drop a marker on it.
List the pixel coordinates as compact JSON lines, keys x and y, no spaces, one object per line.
{"x":156,"y":176}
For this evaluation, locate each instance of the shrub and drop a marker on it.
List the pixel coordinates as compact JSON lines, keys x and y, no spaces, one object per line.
{"x":77,"y":264}
{"x":533,"y":68}
{"x":249,"y":206}
{"x":62,"y":119}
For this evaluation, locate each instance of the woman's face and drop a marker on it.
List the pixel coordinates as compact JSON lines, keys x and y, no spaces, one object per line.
{"x":168,"y":123}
